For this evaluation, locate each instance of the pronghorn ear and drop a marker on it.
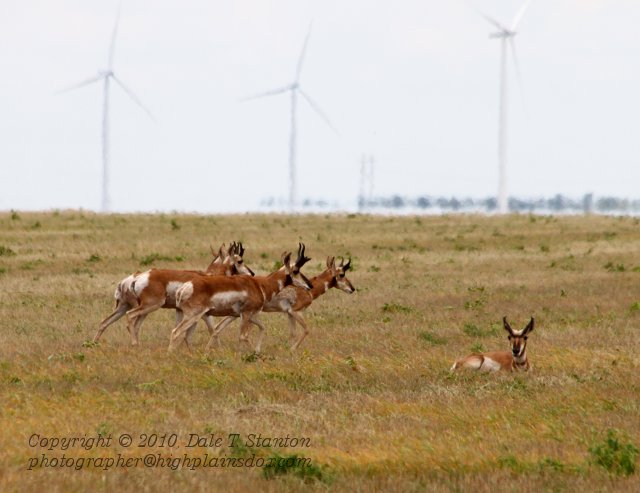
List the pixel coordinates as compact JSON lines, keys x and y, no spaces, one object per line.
{"x":233,"y":248}
{"x":507,"y":327}
{"x":529,"y":327}
{"x":221,"y":254}
{"x":331,"y":265}
{"x":286,"y":259}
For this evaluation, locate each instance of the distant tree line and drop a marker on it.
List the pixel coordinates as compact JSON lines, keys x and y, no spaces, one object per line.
{"x":556,"y":204}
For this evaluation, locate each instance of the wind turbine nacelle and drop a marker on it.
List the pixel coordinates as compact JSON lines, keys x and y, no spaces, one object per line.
{"x":502,"y":34}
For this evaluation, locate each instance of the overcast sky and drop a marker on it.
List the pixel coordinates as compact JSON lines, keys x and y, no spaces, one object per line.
{"x":413,"y":82}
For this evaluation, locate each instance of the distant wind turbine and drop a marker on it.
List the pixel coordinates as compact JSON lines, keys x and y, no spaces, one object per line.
{"x":295,"y":89}
{"x":106,"y":76}
{"x":506,"y":35}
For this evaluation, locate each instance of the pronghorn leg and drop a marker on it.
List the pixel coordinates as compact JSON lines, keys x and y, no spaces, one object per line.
{"x":189,"y":336}
{"x":216,"y":332}
{"x":256,"y":321}
{"x":179,"y":332}
{"x":187,"y":339}
{"x":136,"y":317}
{"x":118,"y":313}
{"x":292,"y":328}
{"x":208,"y":319}
{"x":305,"y":328}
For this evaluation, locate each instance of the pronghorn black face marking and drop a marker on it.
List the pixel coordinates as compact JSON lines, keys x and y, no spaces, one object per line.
{"x":518,"y":338}
{"x":342,"y":282}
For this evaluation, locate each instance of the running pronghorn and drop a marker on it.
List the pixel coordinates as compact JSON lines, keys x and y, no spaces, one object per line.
{"x":514,"y":360}
{"x":238,"y":296}
{"x":294,"y":299}
{"x":156,"y":283}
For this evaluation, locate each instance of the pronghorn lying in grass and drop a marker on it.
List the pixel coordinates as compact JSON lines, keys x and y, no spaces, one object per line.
{"x":514,"y":360}
{"x":158,"y":284}
{"x":240,"y":296}
{"x":294,"y":299}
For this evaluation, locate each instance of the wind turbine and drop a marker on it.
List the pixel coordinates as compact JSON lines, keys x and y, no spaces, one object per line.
{"x":295,"y":89}
{"x":506,"y":36}
{"x":106,"y":76}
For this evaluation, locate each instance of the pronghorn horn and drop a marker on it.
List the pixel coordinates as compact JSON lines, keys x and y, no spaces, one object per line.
{"x":507,"y":327}
{"x":301,"y":260}
{"x":347,"y":265}
{"x":240,"y":249}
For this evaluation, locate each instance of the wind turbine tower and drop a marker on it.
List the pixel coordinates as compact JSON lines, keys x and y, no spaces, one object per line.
{"x":106,"y":76}
{"x":506,"y":36}
{"x":295,"y":89}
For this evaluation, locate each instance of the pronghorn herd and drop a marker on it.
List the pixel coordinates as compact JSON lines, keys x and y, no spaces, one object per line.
{"x":229,"y":288}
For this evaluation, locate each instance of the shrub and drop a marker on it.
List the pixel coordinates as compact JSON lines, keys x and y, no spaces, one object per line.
{"x":396,"y":308}
{"x":431,"y":338}
{"x":615,"y":455}
{"x":6,"y":251}
{"x":279,"y":465}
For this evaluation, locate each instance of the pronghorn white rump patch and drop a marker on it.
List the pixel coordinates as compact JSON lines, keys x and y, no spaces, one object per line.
{"x":227,"y":298}
{"x":123,"y":286}
{"x":141,"y":282}
{"x":173,"y":286}
{"x":184,"y":293}
{"x":490,"y":365}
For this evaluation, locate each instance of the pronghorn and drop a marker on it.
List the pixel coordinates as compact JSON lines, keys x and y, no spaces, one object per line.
{"x":293,"y":299}
{"x":226,"y":262}
{"x":514,"y":360}
{"x":242,"y":296}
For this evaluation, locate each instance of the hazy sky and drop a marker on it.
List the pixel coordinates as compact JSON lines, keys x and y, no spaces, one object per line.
{"x":413,"y":82}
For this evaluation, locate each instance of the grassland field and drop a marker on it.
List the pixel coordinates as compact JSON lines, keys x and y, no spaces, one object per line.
{"x":370,"y":387}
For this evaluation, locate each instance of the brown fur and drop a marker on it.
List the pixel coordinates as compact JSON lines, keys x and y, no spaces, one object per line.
{"x":241,"y":296}
{"x":514,"y":360}
{"x":294,"y":299}
{"x":155,"y":295}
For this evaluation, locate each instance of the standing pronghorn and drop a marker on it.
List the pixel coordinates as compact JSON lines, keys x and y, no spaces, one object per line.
{"x":294,"y":299}
{"x":128,"y":291}
{"x":240,"y":296}
{"x":514,"y":360}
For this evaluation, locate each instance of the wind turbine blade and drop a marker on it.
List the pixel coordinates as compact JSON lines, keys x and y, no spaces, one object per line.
{"x":491,"y":20}
{"x":273,"y":92}
{"x":519,"y":15}
{"x":112,"y":46}
{"x":133,"y":97}
{"x":317,"y":109}
{"x":302,"y":53}
{"x":83,"y":83}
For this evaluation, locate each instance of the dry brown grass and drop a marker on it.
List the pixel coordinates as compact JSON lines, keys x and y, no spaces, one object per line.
{"x":370,"y":386}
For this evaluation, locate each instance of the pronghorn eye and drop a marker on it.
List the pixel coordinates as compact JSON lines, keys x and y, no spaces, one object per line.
{"x":525,"y":338}
{"x":342,"y":275}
